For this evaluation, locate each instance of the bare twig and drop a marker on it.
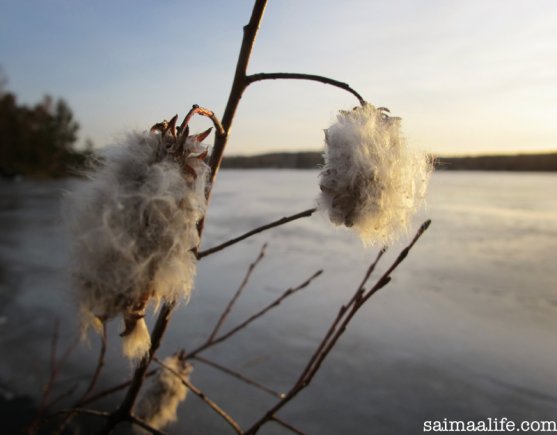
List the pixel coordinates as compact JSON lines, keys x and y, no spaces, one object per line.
{"x":239,"y":376}
{"x":332,"y":329}
{"x":202,"y":396}
{"x":381,"y":282}
{"x":92,"y":412}
{"x":226,"y":311}
{"x":257,"y":315}
{"x":114,"y":389}
{"x":100,"y":365}
{"x":297,"y":76}
{"x":278,"y":222}
{"x":343,"y":318}
{"x":239,"y":84}
{"x":55,"y":367}
{"x":286,"y":425}
{"x":133,"y":419}
{"x":63,"y":395}
{"x":94,"y":379}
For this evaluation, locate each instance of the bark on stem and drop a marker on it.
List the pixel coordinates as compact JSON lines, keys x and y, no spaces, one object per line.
{"x":239,"y":84}
{"x":298,"y":76}
{"x":278,"y":222}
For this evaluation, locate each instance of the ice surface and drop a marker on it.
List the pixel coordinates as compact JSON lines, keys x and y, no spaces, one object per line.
{"x":466,"y":329}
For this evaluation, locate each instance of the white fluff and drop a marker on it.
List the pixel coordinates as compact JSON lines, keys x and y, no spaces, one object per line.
{"x":159,"y":403}
{"x":134,"y":225}
{"x":138,"y":342}
{"x":372,"y":181}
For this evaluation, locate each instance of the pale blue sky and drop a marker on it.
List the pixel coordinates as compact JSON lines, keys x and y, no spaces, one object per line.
{"x":467,"y":77}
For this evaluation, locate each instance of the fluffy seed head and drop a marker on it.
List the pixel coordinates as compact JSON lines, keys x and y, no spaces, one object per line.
{"x":158,"y":405}
{"x":134,"y":225}
{"x":372,"y":181}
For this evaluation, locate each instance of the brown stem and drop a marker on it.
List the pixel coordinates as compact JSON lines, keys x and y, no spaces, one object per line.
{"x":100,"y":364}
{"x":239,"y":376}
{"x":143,"y":425}
{"x":297,"y":76}
{"x":203,"y":397}
{"x":92,"y":412}
{"x":286,"y":425}
{"x":238,"y":84}
{"x":330,"y":340}
{"x":332,"y":329}
{"x":278,"y":222}
{"x":55,"y":367}
{"x":114,"y":389}
{"x":257,"y":315}
{"x":226,"y":311}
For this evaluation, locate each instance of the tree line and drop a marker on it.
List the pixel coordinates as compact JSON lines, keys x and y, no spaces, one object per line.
{"x":37,"y":140}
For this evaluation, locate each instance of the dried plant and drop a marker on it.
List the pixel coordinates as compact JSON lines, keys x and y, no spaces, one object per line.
{"x":372,"y":180}
{"x":140,"y":245}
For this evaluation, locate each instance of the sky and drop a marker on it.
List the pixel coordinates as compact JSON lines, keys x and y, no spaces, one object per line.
{"x":467,"y":77}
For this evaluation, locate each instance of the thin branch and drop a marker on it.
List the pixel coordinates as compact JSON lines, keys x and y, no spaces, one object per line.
{"x":287,"y":425}
{"x":330,"y":340}
{"x":297,"y":76}
{"x":63,"y":395}
{"x":226,"y":311}
{"x":203,"y":397}
{"x":114,"y":389}
{"x":100,"y":365}
{"x":343,"y":309}
{"x":278,"y":222}
{"x":93,"y":382}
{"x":143,"y":425}
{"x":92,"y":412}
{"x":55,"y":367}
{"x":239,"y":84}
{"x":239,"y":376}
{"x":257,"y":315}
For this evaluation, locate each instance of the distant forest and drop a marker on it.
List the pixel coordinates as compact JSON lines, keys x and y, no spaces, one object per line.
{"x":313,"y":160}
{"x":39,"y":140}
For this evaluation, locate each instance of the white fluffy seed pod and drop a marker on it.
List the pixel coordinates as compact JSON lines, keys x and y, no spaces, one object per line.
{"x":159,"y":403}
{"x":134,"y":225}
{"x":372,"y":181}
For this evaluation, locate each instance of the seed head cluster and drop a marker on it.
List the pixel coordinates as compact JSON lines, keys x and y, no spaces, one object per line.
{"x":158,"y":405}
{"x":371,"y":181}
{"x":134,"y":226}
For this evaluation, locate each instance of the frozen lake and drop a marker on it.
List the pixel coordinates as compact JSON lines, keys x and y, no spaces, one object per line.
{"x":467,"y":328}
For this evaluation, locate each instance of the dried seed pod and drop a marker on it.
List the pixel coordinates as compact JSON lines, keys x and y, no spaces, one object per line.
{"x":134,"y":225}
{"x":159,"y":403}
{"x":372,"y":181}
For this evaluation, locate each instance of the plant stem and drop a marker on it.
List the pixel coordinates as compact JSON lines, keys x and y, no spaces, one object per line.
{"x":278,"y":222}
{"x":228,"y":308}
{"x":239,"y":84}
{"x":298,"y":76}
